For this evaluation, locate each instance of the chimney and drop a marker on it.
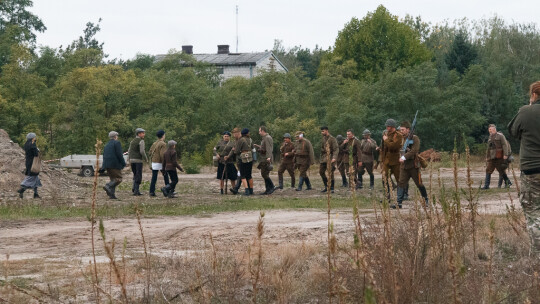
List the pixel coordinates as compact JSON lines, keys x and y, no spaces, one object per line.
{"x":223,"y":49}
{"x":187,"y":49}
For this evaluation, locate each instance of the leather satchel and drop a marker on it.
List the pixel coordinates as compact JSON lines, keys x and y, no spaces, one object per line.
{"x":36,"y":164}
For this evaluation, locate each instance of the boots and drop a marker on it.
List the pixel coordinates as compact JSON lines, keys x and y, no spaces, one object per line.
{"x":136,"y":191}
{"x":344,"y":182}
{"x":280,"y":181}
{"x":400,"y":195}
{"x":221,"y":191}
{"x":300,"y":184}
{"x":406,"y":193}
{"x":487,"y":182}
{"x":36,"y":195}
{"x":308,"y":183}
{"x":359,"y":183}
{"x":332,"y":186}
{"x":247,"y":192}
{"x":371,"y":182}
{"x":507,"y":182}
{"x":271,"y":187}
{"x":325,"y":182}
{"x":423,"y":192}
{"x":236,"y":187}
{"x":293,"y":182}
{"x":108,"y":190}
{"x":166,"y":190}
{"x":266,"y":187}
{"x":21,"y":191}
{"x":499,"y":184}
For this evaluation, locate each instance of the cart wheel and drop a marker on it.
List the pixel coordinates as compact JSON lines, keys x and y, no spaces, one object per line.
{"x":87,"y":171}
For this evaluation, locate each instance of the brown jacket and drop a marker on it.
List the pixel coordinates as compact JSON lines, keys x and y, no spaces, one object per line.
{"x":352,"y":147}
{"x":410,"y":154}
{"x":390,"y":150}
{"x":334,"y":149}
{"x":367,"y":147}
{"x":287,"y":148}
{"x":266,"y":149}
{"x":157,"y":150}
{"x":497,"y":146}
{"x":170,"y":162}
{"x":303,"y":151}
{"x":223,"y":148}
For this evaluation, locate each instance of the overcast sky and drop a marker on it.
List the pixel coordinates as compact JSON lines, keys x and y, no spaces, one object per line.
{"x":155,"y":27}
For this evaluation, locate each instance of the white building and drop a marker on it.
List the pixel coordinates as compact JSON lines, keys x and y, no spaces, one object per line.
{"x":247,"y":65}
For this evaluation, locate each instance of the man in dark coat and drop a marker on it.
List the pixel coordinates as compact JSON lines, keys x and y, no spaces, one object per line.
{"x":113,"y":162}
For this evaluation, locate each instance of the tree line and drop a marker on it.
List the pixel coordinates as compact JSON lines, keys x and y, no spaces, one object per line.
{"x":461,"y":76}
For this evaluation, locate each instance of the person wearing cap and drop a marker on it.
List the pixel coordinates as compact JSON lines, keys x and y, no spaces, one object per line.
{"x":31,"y":180}
{"x":156,"y":152}
{"x":287,"y":160}
{"x":233,"y":155}
{"x":343,"y":161}
{"x":496,"y":157}
{"x":304,"y":157}
{"x":352,"y":145}
{"x":266,"y":149}
{"x":226,"y":169}
{"x":170,"y":164}
{"x":410,"y":167}
{"x":113,"y":162}
{"x":244,"y":146}
{"x":368,"y":147}
{"x":329,"y":153}
{"x":136,"y":157}
{"x":390,"y":147}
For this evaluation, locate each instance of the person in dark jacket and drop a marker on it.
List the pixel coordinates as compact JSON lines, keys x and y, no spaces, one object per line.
{"x":31,"y":180}
{"x":170,"y":164}
{"x":113,"y":162}
{"x":136,"y":156}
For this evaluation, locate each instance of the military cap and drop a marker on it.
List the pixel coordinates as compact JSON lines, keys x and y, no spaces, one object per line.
{"x":406,"y":124}
{"x":139,"y":130}
{"x":236,"y":130}
{"x":171,"y":143}
{"x":298,"y":133}
{"x":245,"y":131}
{"x":31,"y":135}
{"x":366,"y":132}
{"x":112,"y":134}
{"x":160,"y":133}
{"x":390,"y":123}
{"x":227,"y":133}
{"x":339,"y":137}
{"x":286,"y":135}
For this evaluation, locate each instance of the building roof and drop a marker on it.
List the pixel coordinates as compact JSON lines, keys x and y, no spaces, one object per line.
{"x":232,"y":59}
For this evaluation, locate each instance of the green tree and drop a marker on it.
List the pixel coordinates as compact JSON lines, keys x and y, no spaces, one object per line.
{"x":461,"y":54}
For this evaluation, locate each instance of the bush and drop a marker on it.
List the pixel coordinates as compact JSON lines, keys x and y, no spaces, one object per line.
{"x":193,"y":162}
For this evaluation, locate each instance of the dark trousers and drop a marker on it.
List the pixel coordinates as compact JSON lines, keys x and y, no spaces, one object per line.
{"x":290,"y":168}
{"x":154,"y":179}
{"x":245,"y":170}
{"x":136,"y":168}
{"x":322,"y":171}
{"x":174,"y":179}
{"x":115,"y":175}
{"x":303,"y":169}
{"x":265,"y":171}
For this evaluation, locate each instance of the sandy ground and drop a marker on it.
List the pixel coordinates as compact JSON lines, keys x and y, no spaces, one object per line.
{"x":58,"y":239}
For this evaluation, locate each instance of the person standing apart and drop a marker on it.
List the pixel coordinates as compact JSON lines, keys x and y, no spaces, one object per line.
{"x":113,"y":162}
{"x":496,"y":156}
{"x":136,"y":157}
{"x":266,"y":149}
{"x":170,"y":164}
{"x":157,"y":150}
{"x":31,"y":179}
{"x":525,"y":126}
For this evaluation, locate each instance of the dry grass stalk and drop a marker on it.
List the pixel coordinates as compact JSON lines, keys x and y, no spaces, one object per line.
{"x":515,"y":217}
{"x":473,"y":202}
{"x":256,"y":273}
{"x":331,"y":247}
{"x":98,"y":145}
{"x":490,"y":264}
{"x":146,"y":256}
{"x":109,"y":250}
{"x":516,"y":182}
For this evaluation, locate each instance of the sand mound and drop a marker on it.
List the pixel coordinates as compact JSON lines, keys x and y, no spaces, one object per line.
{"x":12,"y":168}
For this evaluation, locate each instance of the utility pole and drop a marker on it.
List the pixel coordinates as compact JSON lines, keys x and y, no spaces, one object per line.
{"x":236,"y":28}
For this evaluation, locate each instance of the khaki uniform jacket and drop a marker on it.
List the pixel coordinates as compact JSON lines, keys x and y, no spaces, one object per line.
{"x":497,"y":144}
{"x":223,"y":148}
{"x":367,"y":148}
{"x":157,"y":150}
{"x":334,"y":149}
{"x":390,"y":150}
{"x":355,"y":145}
{"x":303,"y":151}
{"x":287,"y":148}
{"x":266,"y":149}
{"x":410,"y":154}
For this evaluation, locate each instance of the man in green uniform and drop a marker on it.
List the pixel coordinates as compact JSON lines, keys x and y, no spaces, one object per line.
{"x":226,"y":169}
{"x":136,"y":157}
{"x":352,"y":144}
{"x":287,"y":160}
{"x":410,"y":167}
{"x":496,"y":156}
{"x":368,"y":147}
{"x":390,"y":146}
{"x":266,"y":157}
{"x":329,"y":152}
{"x":304,"y":157}
{"x":233,"y":155}
{"x":343,"y":161}
{"x":525,"y":126}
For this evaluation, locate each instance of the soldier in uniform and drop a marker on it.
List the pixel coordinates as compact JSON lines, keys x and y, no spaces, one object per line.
{"x":368,"y":147}
{"x":410,"y":167}
{"x":525,"y":126}
{"x":329,"y":150}
{"x":233,"y":155}
{"x":287,"y":160}
{"x":390,"y":146}
{"x":136,"y":157}
{"x":496,"y":156}
{"x":304,"y":157}
{"x":352,"y":144}
{"x":343,"y":161}
{"x":244,"y":146}
{"x":266,"y":157}
{"x":226,"y":169}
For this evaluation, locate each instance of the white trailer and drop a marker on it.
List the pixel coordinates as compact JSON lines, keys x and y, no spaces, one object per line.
{"x":85,"y":163}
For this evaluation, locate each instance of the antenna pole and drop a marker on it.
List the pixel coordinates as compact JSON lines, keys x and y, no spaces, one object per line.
{"x":236,"y":28}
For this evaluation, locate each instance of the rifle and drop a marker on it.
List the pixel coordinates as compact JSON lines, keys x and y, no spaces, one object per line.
{"x":409,"y":140}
